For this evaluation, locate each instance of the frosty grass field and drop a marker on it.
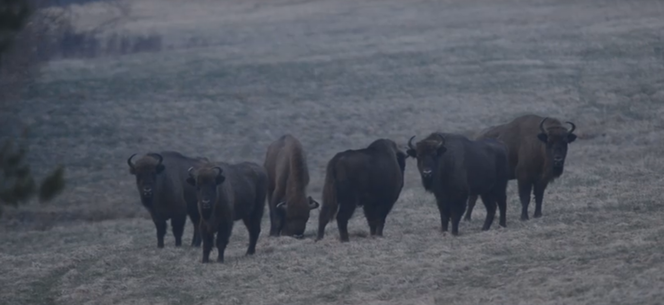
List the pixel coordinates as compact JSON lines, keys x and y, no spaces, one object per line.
{"x":339,"y":74}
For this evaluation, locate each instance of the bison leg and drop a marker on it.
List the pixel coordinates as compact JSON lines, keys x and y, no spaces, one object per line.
{"x":223,"y":235}
{"x":471,"y":204}
{"x":161,"y":231}
{"x":345,"y":213}
{"x":490,"y":205}
{"x":501,"y":200}
{"x":525,"y":187}
{"x":253,"y":225}
{"x":457,"y":210}
{"x":177,"y":225}
{"x":196,"y":238}
{"x":539,"y":197}
{"x":208,"y":240}
{"x":444,"y":210}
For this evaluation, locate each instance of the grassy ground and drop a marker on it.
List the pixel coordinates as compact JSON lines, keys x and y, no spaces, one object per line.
{"x":339,"y":74}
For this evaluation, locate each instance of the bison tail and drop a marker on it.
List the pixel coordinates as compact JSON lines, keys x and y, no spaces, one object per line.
{"x":330,"y":204}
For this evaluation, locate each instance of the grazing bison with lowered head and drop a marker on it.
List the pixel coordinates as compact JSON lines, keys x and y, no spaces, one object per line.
{"x":161,"y":182}
{"x":288,"y":177}
{"x":371,"y":177}
{"x":227,"y":193}
{"x":452,"y":167}
{"x":537,"y":148}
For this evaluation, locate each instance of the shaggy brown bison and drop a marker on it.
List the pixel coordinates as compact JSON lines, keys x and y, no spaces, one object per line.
{"x":371,"y":177}
{"x":537,"y":150}
{"x":288,"y":177}
{"x":452,"y":167}
{"x":160,"y":179}
{"x":227,"y":193}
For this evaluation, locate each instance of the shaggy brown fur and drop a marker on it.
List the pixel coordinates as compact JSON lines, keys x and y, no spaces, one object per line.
{"x":537,"y":151}
{"x":160,"y":179}
{"x":371,"y":177}
{"x":288,"y":175}
{"x":452,"y":167}
{"x":227,"y":193}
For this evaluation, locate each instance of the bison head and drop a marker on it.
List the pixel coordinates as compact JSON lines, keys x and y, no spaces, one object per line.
{"x":556,"y":139}
{"x":294,"y":225}
{"x":206,"y":181}
{"x":146,"y":170}
{"x":427,"y":152}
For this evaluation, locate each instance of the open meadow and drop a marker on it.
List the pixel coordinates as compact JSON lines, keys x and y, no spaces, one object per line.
{"x":338,"y":74}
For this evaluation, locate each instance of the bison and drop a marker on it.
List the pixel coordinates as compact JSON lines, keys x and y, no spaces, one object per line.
{"x":537,"y":148}
{"x":371,"y":177}
{"x":161,"y":182}
{"x":452,"y":167}
{"x":288,"y":175}
{"x":227,"y":193}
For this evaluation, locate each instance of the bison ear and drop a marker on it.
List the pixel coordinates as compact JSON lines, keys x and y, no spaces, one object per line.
{"x":543,"y":137}
{"x":191,"y":181}
{"x":411,"y":152}
{"x":441,"y":150}
{"x":160,"y":168}
{"x":220,"y":179}
{"x":313,"y":204}
{"x":571,"y":137}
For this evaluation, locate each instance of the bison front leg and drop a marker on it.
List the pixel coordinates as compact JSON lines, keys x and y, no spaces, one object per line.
{"x":208,"y":239}
{"x":196,"y":238}
{"x":443,"y":209}
{"x":177,"y":225}
{"x":457,"y":209}
{"x":223,"y":235}
{"x":160,"y":224}
{"x":539,"y":198}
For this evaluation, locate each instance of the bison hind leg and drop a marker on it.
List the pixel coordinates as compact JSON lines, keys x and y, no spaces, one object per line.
{"x":490,"y":204}
{"x":346,"y":210}
{"x":472,"y":199}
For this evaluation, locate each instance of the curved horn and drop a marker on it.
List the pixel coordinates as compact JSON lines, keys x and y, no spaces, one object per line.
{"x":410,"y":143}
{"x":158,"y":156}
{"x":129,"y":161}
{"x":189,"y":171}
{"x":541,"y":125}
{"x":573,"y":127}
{"x":219,"y":169}
{"x":442,"y":139}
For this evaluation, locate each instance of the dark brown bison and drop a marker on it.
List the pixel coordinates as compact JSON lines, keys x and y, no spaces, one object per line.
{"x":452,"y":167}
{"x":161,"y":182}
{"x":227,"y":193}
{"x":371,"y":177}
{"x":537,"y":150}
{"x":288,"y":176}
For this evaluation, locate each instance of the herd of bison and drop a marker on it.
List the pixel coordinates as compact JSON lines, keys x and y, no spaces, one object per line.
{"x":456,"y":169}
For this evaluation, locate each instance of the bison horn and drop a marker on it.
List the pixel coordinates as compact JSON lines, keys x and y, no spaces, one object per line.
{"x":158,"y":156}
{"x":219,"y":169}
{"x":189,"y":171}
{"x":280,"y":205}
{"x":541,"y":125}
{"x":131,"y":165}
{"x":410,"y":142}
{"x":573,"y":127}
{"x":442,"y":139}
